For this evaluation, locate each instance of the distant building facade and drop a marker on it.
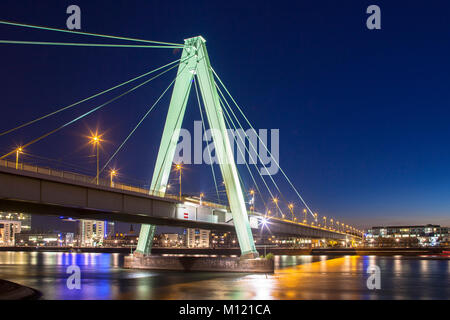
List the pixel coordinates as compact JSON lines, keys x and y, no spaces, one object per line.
{"x":23,"y":218}
{"x":169,"y":240}
{"x":91,"y":233}
{"x":39,"y":239}
{"x":9,"y":229}
{"x":197,"y":238}
{"x":407,"y":236}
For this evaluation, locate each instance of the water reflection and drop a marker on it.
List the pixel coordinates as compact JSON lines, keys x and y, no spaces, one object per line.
{"x":296,"y":277}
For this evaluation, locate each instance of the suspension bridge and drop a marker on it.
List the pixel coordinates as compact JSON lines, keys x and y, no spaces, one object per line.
{"x":33,"y":189}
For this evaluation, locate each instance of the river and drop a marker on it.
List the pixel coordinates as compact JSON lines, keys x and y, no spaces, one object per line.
{"x":296,"y":277}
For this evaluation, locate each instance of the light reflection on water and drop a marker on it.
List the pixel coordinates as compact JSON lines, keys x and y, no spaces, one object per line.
{"x":296,"y":277}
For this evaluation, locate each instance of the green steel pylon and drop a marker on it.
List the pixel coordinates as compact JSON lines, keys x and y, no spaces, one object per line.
{"x":195,"y":62}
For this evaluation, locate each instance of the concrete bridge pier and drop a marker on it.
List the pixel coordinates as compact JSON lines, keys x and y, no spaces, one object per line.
{"x":193,"y":264}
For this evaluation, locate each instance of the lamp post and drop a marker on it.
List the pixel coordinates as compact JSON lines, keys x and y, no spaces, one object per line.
{"x":291,"y":208}
{"x":95,"y":140}
{"x":304,"y":219}
{"x":179,"y":168}
{"x":201,"y":196}
{"x":112,"y":174}
{"x":275,"y":200}
{"x":18,"y":151}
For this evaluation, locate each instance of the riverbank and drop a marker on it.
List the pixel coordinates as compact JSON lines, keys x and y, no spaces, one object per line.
{"x":237,"y":252}
{"x":13,"y":291}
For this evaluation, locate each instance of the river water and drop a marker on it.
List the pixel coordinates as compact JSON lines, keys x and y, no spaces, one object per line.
{"x":296,"y":277}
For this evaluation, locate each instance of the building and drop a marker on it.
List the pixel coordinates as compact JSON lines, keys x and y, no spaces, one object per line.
{"x":169,"y":240}
{"x":53,"y":239}
{"x":120,"y":240}
{"x":91,"y":233}
{"x":69,"y":239}
{"x":129,"y":239}
{"x":407,"y":236}
{"x":25,"y":219}
{"x":223,"y":240}
{"x":109,"y":229}
{"x":197,"y":238}
{"x":8,"y":232}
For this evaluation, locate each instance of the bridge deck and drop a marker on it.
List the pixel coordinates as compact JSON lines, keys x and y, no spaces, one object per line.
{"x":45,"y":191}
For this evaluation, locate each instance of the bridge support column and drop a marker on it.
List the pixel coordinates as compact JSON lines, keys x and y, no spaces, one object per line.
{"x":195,"y":62}
{"x":144,"y":246}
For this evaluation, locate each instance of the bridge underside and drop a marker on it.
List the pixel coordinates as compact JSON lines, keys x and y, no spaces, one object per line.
{"x":275,"y":228}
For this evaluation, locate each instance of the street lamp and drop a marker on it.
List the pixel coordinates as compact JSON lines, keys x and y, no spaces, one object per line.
{"x":291,"y":208}
{"x":275,"y":200}
{"x":252,"y":200}
{"x":179,"y":168}
{"x":305,"y":220}
{"x":201,"y":196}
{"x":325,"y":222}
{"x":112,"y":174}
{"x":18,"y":151}
{"x":95,"y":140}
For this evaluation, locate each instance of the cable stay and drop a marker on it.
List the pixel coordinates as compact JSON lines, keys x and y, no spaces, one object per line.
{"x":75,"y":44}
{"x":204,"y":129}
{"x":252,"y":146}
{"x":16,"y":24}
{"x":263,"y":144}
{"x":228,"y":120}
{"x":255,"y":150}
{"x":137,"y":126}
{"x":86,"y":99}
{"x":89,"y":112}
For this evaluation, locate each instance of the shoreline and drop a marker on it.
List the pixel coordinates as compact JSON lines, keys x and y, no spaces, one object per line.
{"x":444,"y":252}
{"x":14,"y":291}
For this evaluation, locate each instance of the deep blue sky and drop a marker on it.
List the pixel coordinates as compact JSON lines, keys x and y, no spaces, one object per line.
{"x":363,"y":115}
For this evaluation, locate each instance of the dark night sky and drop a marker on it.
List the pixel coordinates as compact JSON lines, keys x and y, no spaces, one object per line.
{"x":363,"y":115}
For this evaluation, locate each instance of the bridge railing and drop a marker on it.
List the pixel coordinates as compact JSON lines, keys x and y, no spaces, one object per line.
{"x":82,"y":178}
{"x":329,"y":229}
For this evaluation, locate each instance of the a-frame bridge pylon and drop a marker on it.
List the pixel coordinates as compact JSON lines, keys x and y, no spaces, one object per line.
{"x":195,"y":62}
